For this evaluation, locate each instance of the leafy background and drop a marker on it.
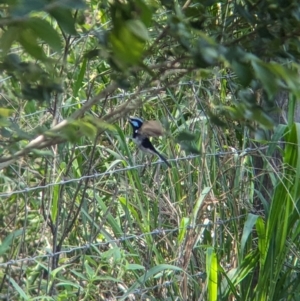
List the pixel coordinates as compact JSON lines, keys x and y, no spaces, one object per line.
{"x":84,"y":215}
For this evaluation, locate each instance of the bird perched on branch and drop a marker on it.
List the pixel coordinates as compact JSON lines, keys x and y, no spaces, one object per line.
{"x":141,"y":133}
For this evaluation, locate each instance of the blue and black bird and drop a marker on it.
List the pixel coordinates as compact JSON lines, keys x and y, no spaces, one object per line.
{"x":142,"y":131}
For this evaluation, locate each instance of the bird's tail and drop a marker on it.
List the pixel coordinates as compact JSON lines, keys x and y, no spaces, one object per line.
{"x":164,"y":159}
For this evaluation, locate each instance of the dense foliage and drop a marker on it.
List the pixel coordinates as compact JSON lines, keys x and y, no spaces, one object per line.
{"x":84,"y":216}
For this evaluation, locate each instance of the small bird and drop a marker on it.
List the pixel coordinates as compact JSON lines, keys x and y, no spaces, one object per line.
{"x":141,"y":133}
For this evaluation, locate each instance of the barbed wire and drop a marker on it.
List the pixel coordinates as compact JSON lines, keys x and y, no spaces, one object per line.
{"x":110,"y":172}
{"x":117,"y":241}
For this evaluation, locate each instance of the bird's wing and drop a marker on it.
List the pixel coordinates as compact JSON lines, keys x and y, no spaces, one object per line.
{"x":151,"y":128}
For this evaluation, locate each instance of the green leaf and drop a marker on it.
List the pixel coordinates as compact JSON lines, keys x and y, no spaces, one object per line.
{"x":266,"y":76}
{"x":42,"y":153}
{"x":138,"y":29}
{"x":22,"y":294}
{"x":8,"y":37}
{"x":73,"y":4}
{"x":243,"y":72}
{"x":90,"y":272}
{"x":69,"y":132}
{"x":133,"y":267}
{"x":87,"y":128}
{"x":212,"y":273}
{"x":189,"y":148}
{"x":79,"y":81}
{"x":64,"y":18}
{"x":5,"y":112}
{"x":127,"y":48}
{"x":216,"y":120}
{"x":92,"y":54}
{"x":145,"y":12}
{"x":7,"y":241}
{"x":248,"y":228}
{"x":182,"y":229}
{"x":63,"y":284}
{"x":261,"y":233}
{"x":199,"y":203}
{"x":54,"y":205}
{"x":289,"y":76}
{"x":24,"y":7}
{"x":28,"y":40}
{"x":127,"y":40}
{"x":246,"y":267}
{"x":185,"y":136}
{"x":260,"y":116}
{"x":159,"y":269}
{"x":45,"y":32}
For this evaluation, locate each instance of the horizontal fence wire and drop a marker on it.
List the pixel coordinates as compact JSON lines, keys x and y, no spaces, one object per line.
{"x":123,"y":237}
{"x":110,"y":172}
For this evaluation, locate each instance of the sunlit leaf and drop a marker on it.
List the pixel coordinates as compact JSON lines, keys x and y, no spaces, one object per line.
{"x":126,"y":46}
{"x":183,"y":229}
{"x":212,"y":273}
{"x":198,"y":205}
{"x":87,"y":128}
{"x":261,"y":233}
{"x":138,"y":29}
{"x":5,"y":112}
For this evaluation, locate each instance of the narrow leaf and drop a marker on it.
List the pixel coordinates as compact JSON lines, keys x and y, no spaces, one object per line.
{"x":79,"y":81}
{"x":248,"y":227}
{"x":212,"y":272}
{"x":30,"y":44}
{"x":7,"y":38}
{"x":18,"y":289}
{"x":64,"y":18}
{"x":45,"y":32}
{"x":183,"y":227}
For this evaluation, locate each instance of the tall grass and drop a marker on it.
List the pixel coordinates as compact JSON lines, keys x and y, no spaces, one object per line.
{"x":215,"y":226}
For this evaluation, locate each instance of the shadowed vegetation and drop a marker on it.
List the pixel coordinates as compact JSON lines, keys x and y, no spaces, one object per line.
{"x":84,"y":215}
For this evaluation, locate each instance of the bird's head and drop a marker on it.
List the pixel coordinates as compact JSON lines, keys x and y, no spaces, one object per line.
{"x":135,"y":122}
{"x":149,"y":128}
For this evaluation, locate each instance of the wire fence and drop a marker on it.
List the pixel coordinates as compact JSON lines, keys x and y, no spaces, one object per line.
{"x":139,"y":288}
{"x":46,"y":253}
{"x":113,"y":171}
{"x":123,"y":237}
